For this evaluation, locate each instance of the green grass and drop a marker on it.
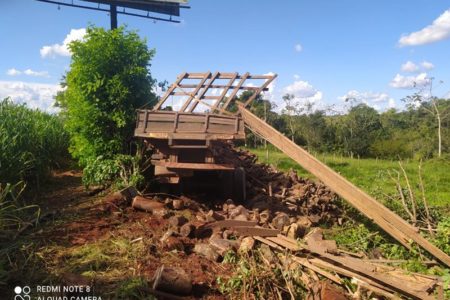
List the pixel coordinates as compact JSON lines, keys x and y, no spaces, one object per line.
{"x":372,"y":175}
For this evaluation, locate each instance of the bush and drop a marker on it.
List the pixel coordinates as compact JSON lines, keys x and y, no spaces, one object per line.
{"x":442,"y":238}
{"x":121,"y":171}
{"x":32,"y":142}
{"x":107,"y":81}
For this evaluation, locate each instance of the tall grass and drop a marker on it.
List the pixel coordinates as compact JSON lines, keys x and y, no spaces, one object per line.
{"x":32,"y":142}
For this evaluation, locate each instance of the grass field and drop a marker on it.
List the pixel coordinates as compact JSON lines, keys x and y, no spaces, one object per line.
{"x":372,"y":175}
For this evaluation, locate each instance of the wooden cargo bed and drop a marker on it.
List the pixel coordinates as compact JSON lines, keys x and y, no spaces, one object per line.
{"x":188,"y":126}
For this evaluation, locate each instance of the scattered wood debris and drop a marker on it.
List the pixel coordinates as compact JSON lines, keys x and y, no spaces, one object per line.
{"x":280,"y":220}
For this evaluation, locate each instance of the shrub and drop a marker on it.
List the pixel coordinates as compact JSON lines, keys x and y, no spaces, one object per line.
{"x":107,"y":81}
{"x":121,"y":171}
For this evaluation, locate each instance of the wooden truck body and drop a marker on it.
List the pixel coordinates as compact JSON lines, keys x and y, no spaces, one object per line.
{"x":183,"y":137}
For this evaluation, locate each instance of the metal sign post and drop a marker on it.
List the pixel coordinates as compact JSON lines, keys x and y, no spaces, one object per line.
{"x":169,"y":8}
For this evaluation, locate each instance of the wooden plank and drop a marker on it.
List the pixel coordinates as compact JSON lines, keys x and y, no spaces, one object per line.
{"x":381,"y":215}
{"x":235,"y":91}
{"x":222,"y":86}
{"x":285,"y":244}
{"x":408,"y":286}
{"x":201,"y":75}
{"x":342,"y":271}
{"x":319,"y":265}
{"x":201,"y":95}
{"x":261,"y":88}
{"x":169,"y":91}
{"x":224,"y":92}
{"x":304,"y":262}
{"x":267,"y":242}
{"x":230,"y":223}
{"x":189,"y":136}
{"x":256,"y":231}
{"x":193,"y":166}
{"x":194,"y":93}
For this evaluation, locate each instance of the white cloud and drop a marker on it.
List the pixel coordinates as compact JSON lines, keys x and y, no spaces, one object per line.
{"x":63,"y":49}
{"x":437,"y":31}
{"x":36,"y":73}
{"x":13,"y":72}
{"x":298,"y":48}
{"x":34,"y":95}
{"x":427,"y":65}
{"x":296,"y":76}
{"x":366,"y":97}
{"x":410,"y":67}
{"x":375,"y":100}
{"x":408,"y":82}
{"x":391,"y":103}
{"x":303,"y":92}
{"x":29,"y":72}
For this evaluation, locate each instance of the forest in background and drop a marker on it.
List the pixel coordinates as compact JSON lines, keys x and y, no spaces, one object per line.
{"x":363,"y":131}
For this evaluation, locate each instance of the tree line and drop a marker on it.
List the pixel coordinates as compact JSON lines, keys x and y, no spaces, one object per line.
{"x":420,"y":131}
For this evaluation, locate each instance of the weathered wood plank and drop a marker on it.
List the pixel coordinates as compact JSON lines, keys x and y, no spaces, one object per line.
{"x":381,"y":215}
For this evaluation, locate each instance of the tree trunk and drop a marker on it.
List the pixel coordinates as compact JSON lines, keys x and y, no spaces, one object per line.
{"x":438,"y":117}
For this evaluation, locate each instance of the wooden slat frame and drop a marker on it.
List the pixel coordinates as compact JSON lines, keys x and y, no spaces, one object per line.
{"x":266,"y":84}
{"x":235,"y":91}
{"x":198,"y":91}
{"x":192,"y":95}
{"x":203,"y":92}
{"x":224,"y":92}
{"x":170,"y":91}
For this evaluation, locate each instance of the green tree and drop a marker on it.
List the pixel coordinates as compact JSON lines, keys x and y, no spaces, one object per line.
{"x":431,"y":105}
{"x":315,"y":131}
{"x":108,"y":79}
{"x":358,"y":129}
{"x":291,"y":110}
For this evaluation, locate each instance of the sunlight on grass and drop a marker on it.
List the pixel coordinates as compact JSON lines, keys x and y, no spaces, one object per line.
{"x":372,"y":175}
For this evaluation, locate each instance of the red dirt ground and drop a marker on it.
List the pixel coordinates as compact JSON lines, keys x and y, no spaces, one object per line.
{"x":85,"y":218}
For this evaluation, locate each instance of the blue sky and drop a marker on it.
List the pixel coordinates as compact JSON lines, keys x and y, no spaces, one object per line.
{"x":323,"y":51}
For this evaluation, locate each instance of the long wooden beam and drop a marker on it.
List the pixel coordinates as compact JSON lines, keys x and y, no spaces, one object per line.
{"x":374,"y":210}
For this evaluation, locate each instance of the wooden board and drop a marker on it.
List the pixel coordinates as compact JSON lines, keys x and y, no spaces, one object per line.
{"x":374,"y":210}
{"x":164,"y":124}
{"x":385,"y":281}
